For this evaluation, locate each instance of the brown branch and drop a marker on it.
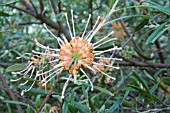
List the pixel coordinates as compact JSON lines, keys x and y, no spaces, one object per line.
{"x":49,"y":94}
{"x":54,"y":7}
{"x":28,"y":23}
{"x":43,"y":19}
{"x":141,"y":64}
{"x":130,"y":62}
{"x":128,"y":34}
{"x":56,"y":11}
{"x":28,"y":6}
{"x":10,"y":93}
{"x":127,"y":63}
{"x":91,"y":12}
{"x":41,"y":5}
{"x":159,"y":54}
{"x":19,"y":96}
{"x":34,"y":7}
{"x":23,"y":10}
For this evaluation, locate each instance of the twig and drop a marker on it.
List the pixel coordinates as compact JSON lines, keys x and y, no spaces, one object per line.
{"x":41,"y":6}
{"x":128,"y":34}
{"x":130,"y":62}
{"x":88,"y":88}
{"x":19,"y":96}
{"x":124,"y":44}
{"x":23,"y":10}
{"x":34,"y":7}
{"x":54,"y":7}
{"x":49,"y":94}
{"x":28,"y":6}
{"x":156,"y":110}
{"x":91,"y":12}
{"x":43,"y":19}
{"x":59,"y":22}
{"x":159,"y":54}
{"x":28,"y":23}
{"x":10,"y":93}
{"x":127,"y":63}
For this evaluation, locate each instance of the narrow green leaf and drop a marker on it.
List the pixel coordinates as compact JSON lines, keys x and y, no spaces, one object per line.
{"x":4,"y":14}
{"x":152,"y":38}
{"x":9,"y":108}
{"x":15,"y":67}
{"x":100,"y":89}
{"x":81,"y":107}
{"x":143,"y":92}
{"x":19,"y":54}
{"x":141,"y":25}
{"x":34,"y":90}
{"x":158,"y":72}
{"x":38,"y":101}
{"x":114,"y":107}
{"x":20,"y":103}
{"x":127,"y":103}
{"x":166,"y":80}
{"x":28,"y":109}
{"x":65,"y":108}
{"x":91,"y":105}
{"x":72,"y":109}
{"x":154,"y":87}
{"x":9,"y":3}
{"x":126,"y":94}
{"x":155,"y":98}
{"x":141,"y":81}
{"x":102,"y":109}
{"x":111,"y":2}
{"x":15,"y":102}
{"x":158,"y":7}
{"x":142,"y":55}
{"x":149,"y":76}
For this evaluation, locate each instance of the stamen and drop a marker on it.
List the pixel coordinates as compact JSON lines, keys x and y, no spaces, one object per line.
{"x":100,"y":52}
{"x":75,"y":79}
{"x":103,"y":38}
{"x":52,"y":77}
{"x":93,"y":28}
{"x":29,"y":77}
{"x":56,"y":66}
{"x":95,"y":31}
{"x":23,"y":70}
{"x":22,"y":76}
{"x":65,"y":39}
{"x":105,"y":65}
{"x":58,"y":39}
{"x":32,"y":83}
{"x":23,"y":55}
{"x":104,"y":43}
{"x":68,"y":26}
{"x":65,"y":86}
{"x":87,"y":78}
{"x":44,"y":47}
{"x":86,"y":26}
{"x":109,"y":58}
{"x":73,"y":22}
{"x":91,"y":68}
{"x":54,"y":55}
{"x":104,"y":73}
{"x":53,"y":61}
{"x":44,"y":79}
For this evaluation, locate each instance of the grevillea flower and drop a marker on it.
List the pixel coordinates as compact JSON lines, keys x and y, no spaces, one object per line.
{"x":119,"y":31}
{"x":78,"y":53}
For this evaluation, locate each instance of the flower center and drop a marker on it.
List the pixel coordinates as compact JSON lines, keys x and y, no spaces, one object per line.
{"x":76,"y":53}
